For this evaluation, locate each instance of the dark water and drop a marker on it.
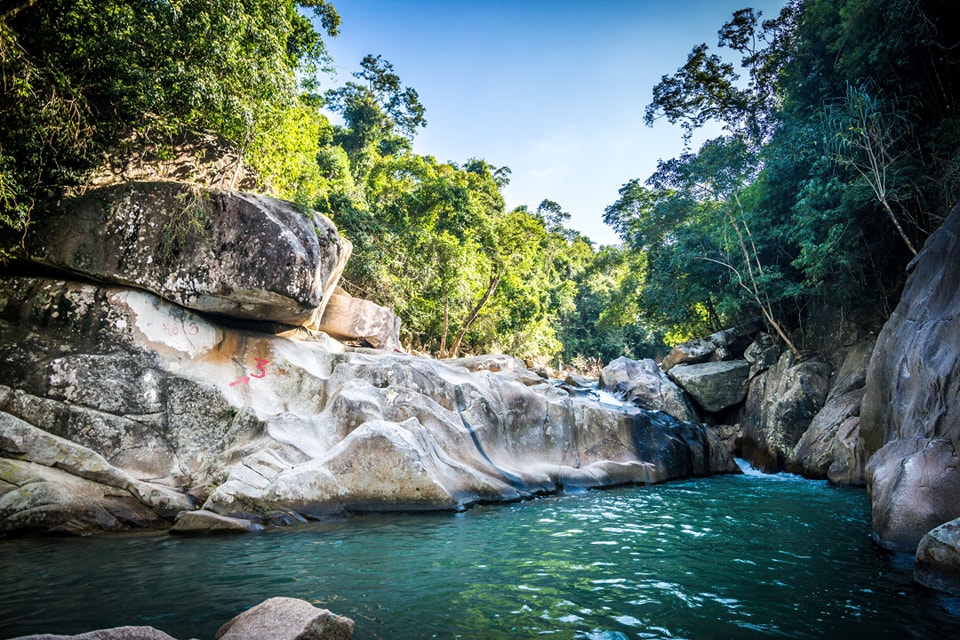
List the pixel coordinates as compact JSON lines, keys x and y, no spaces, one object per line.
{"x":730,"y":557}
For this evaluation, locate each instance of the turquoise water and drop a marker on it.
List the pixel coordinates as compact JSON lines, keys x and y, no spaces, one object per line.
{"x":728,"y":557}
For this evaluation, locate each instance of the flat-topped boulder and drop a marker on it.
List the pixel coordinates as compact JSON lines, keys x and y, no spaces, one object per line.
{"x":227,"y":253}
{"x":714,"y":385}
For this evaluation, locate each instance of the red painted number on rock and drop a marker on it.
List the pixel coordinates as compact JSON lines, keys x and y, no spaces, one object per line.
{"x":260,"y":373}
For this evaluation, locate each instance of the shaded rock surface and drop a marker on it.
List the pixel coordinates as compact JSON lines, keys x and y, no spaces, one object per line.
{"x":714,"y":385}
{"x":913,"y":396}
{"x":781,"y":404}
{"x":913,"y":484}
{"x":142,"y":409}
{"x":644,"y":384}
{"x":831,"y":448}
{"x":938,"y":558}
{"x":234,"y":254}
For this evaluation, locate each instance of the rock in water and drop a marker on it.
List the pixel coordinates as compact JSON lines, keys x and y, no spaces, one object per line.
{"x":286,"y":619}
{"x":938,"y":558}
{"x":232,"y":254}
{"x":781,"y":404}
{"x":913,"y":396}
{"x":117,"y":633}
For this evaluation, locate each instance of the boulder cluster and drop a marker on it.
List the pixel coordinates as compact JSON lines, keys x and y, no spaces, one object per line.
{"x":863,"y":407}
{"x":184,"y":359}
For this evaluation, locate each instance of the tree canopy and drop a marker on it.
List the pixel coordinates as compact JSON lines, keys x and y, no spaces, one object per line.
{"x":839,"y":155}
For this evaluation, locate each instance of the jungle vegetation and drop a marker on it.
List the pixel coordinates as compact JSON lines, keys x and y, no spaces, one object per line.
{"x":839,"y":155}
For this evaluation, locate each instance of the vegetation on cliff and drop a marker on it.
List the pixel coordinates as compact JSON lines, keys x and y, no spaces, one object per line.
{"x":840,"y":154}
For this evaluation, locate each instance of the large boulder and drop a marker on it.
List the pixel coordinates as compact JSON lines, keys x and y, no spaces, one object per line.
{"x":350,"y":319}
{"x":286,"y":619}
{"x":166,"y":409}
{"x":913,"y":394}
{"x":913,"y":484}
{"x":781,"y":404}
{"x":226,"y":253}
{"x":728,"y":344}
{"x":714,"y":385}
{"x":644,"y":384}
{"x":831,"y":448}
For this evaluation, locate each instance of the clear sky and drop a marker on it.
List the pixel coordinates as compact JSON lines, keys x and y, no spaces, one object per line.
{"x":554,"y":90}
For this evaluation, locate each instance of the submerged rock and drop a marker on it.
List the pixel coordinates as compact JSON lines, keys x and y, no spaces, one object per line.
{"x":272,"y":619}
{"x":117,"y":633}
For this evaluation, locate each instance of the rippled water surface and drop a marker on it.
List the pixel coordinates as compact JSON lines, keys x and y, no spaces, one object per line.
{"x":729,"y":557}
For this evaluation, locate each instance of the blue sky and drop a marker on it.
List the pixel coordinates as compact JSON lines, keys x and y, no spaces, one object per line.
{"x":554,"y":90}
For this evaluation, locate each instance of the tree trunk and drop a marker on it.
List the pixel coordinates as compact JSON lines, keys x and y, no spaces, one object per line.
{"x":475,"y":312}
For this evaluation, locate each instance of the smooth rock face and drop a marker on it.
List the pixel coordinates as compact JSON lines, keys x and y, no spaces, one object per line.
{"x":714,"y":385}
{"x":781,"y":404}
{"x":913,"y":484}
{"x":913,"y":390}
{"x":202,"y":522}
{"x":354,"y":319}
{"x":643,"y":383}
{"x":938,"y":558}
{"x":275,"y":430}
{"x":286,"y":619}
{"x":233,"y":254}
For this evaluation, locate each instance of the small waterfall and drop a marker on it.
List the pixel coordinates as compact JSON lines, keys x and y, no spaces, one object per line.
{"x":749,"y":470}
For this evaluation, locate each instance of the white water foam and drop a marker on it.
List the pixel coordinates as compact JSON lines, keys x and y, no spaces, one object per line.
{"x":749,"y":470}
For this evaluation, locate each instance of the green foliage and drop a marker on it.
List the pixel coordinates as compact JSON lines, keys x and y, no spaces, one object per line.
{"x":86,"y":75}
{"x":841,"y":157}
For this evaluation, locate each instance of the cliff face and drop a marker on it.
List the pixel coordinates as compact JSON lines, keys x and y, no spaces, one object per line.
{"x":910,"y":415}
{"x":120,"y":407}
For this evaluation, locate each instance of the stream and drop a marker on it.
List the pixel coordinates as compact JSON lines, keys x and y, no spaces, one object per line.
{"x":747,"y":556}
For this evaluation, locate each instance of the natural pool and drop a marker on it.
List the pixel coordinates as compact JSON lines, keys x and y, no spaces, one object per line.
{"x":746,"y":556}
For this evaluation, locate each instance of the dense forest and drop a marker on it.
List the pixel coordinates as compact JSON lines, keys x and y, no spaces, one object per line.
{"x":840,"y":154}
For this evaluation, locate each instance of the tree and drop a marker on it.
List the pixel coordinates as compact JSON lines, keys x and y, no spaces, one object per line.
{"x":871,"y":137}
{"x":84,"y":79}
{"x":381,"y":115}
